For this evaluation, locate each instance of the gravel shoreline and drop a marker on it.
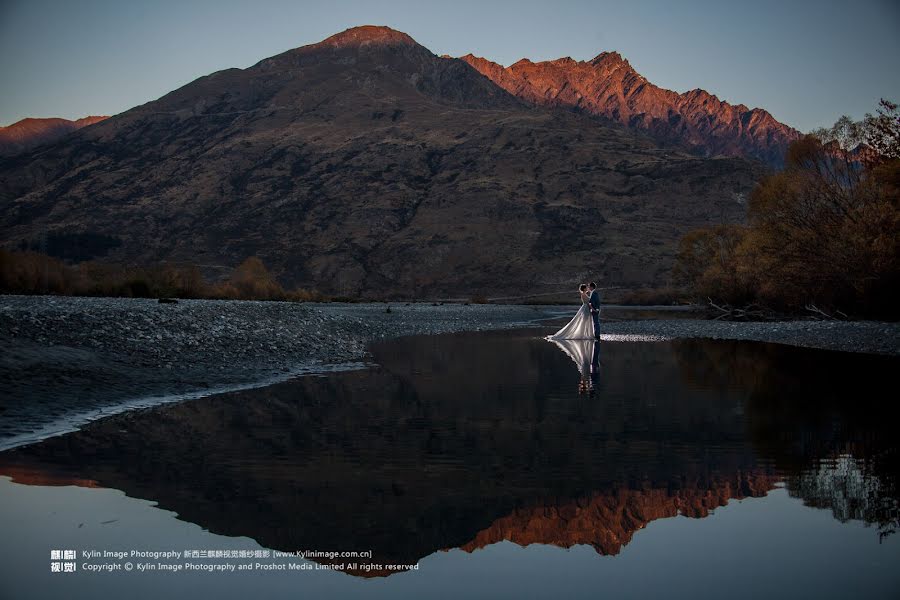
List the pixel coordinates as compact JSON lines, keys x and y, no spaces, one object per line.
{"x":66,"y":361}
{"x":869,"y":337}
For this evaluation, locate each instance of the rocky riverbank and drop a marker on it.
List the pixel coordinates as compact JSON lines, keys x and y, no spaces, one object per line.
{"x":66,"y":361}
{"x":872,"y":337}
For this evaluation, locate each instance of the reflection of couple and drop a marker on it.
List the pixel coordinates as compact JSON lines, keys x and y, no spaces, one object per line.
{"x":585,"y":325}
{"x":585,"y":354}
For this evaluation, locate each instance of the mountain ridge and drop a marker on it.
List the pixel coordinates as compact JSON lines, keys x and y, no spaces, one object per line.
{"x":608,"y":86}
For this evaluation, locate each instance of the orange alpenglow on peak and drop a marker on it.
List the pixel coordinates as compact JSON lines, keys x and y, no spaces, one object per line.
{"x":32,"y":132}
{"x":609,"y":87}
{"x":612,"y":57}
{"x":368,"y":34}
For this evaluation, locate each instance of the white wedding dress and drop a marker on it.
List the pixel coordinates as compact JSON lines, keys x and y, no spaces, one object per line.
{"x":581,"y":327}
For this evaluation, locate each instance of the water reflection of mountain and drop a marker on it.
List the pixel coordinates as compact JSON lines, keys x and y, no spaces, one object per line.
{"x":608,"y":520}
{"x":457,"y":441}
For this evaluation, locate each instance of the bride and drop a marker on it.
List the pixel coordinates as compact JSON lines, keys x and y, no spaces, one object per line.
{"x":581,"y":327}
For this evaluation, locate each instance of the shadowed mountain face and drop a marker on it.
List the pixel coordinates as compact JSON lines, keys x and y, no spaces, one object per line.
{"x":367,"y":161}
{"x":30,"y":133}
{"x":609,"y":87}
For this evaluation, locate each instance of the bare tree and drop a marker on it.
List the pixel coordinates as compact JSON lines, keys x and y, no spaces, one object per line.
{"x":883,"y":130}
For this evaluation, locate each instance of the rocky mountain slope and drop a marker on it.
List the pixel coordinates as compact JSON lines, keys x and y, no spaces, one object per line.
{"x":365,"y":162}
{"x":29,"y":133}
{"x":608,"y":86}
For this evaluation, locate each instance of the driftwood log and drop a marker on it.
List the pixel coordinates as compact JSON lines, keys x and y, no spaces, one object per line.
{"x":750,"y":312}
{"x":821,"y":314}
{"x":757,"y":312}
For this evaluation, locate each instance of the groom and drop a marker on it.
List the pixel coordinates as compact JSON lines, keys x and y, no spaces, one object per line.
{"x":594,"y":301}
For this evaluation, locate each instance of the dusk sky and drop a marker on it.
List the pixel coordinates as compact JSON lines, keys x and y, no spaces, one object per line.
{"x":805,"y":62}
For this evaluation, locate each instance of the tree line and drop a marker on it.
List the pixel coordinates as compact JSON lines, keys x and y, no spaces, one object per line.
{"x":822,"y":236}
{"x":27,"y":272}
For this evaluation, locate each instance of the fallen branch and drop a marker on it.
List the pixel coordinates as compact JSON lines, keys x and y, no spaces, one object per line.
{"x":749,"y":312}
{"x":822,"y":314}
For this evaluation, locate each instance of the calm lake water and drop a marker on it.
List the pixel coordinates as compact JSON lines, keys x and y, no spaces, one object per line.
{"x":502,"y":465}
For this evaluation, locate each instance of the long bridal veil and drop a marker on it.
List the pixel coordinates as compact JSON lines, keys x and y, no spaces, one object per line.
{"x":581,"y":327}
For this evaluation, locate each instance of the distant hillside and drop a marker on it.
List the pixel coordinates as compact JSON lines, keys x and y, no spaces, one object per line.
{"x":29,"y":133}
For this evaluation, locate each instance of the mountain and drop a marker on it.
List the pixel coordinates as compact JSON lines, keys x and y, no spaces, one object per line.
{"x":366,"y":162}
{"x":608,"y":521}
{"x":609,"y":87}
{"x":30,"y":133}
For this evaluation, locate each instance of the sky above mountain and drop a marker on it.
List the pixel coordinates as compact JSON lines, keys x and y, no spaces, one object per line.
{"x":805,"y":62}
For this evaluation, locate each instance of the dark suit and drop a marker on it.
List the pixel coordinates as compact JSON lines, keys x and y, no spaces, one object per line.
{"x":594,"y":301}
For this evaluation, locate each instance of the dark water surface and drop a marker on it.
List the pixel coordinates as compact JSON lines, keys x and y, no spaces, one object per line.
{"x":504,"y":465}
